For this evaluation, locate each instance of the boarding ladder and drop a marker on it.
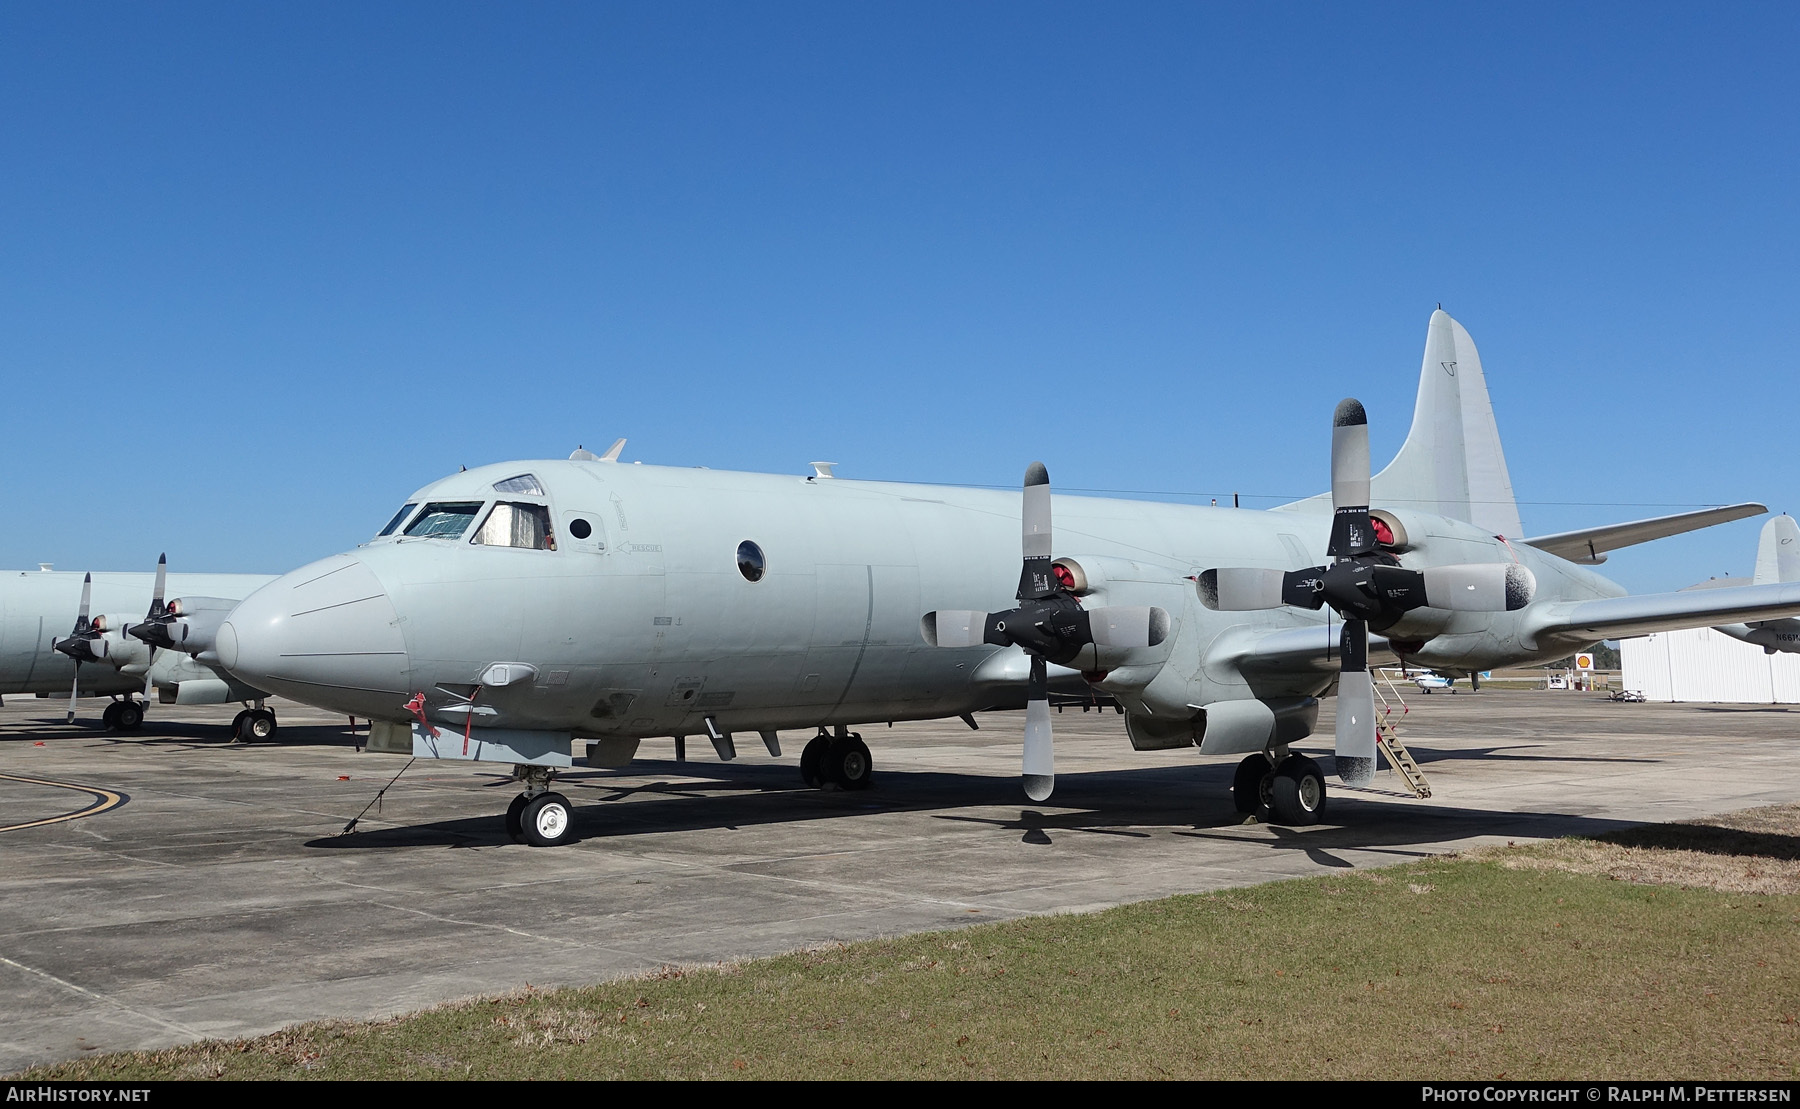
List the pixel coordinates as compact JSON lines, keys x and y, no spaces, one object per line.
{"x":1387,"y":738}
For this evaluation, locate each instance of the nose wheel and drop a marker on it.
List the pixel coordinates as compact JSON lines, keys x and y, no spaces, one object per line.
{"x":842,"y":760}
{"x":253,"y":726}
{"x":538,"y":816}
{"x":123,"y":716}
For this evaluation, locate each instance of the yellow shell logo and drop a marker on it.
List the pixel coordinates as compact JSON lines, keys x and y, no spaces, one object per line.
{"x":1584,"y":662}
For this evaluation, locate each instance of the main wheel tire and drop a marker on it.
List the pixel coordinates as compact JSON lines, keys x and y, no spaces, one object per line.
{"x":548,"y":820}
{"x":130,"y":716}
{"x":1298,"y":792}
{"x":1250,"y":787}
{"x":259,"y":725}
{"x":109,"y":719}
{"x":237,"y":725}
{"x":515,"y":824}
{"x":848,"y":763}
{"x":812,"y":760}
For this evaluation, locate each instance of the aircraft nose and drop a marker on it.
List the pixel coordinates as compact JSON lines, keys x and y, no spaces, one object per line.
{"x":325,"y":635}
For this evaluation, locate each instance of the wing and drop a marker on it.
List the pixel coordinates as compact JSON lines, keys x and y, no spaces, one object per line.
{"x":1589,"y":545}
{"x":1314,"y":647}
{"x":1578,"y":622}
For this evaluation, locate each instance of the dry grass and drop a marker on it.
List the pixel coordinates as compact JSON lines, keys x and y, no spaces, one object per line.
{"x":1756,"y":851}
{"x":1529,"y":962}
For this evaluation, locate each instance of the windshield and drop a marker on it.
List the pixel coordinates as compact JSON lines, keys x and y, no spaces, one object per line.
{"x":399,"y":517}
{"x":517,"y":525}
{"x":447,"y":520}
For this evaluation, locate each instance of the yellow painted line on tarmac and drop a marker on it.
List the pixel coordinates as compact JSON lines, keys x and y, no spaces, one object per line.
{"x":104,"y":799}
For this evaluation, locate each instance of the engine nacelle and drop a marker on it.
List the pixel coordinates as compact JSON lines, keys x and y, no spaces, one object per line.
{"x":195,"y":627}
{"x":1102,"y":581}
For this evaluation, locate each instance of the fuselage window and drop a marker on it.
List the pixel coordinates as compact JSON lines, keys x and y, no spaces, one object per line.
{"x":524,"y":483}
{"x":750,"y":561}
{"x":399,"y":518}
{"x":446,"y":520}
{"x":517,"y":525}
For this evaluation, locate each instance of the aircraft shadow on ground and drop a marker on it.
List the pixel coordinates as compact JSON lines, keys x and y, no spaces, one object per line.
{"x":1709,"y":839}
{"x":184,"y":734}
{"x":1132,"y":804}
{"x":1424,"y":755}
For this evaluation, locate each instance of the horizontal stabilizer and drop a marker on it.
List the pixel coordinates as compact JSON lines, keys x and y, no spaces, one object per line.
{"x":1589,"y":545}
{"x":1589,"y":621}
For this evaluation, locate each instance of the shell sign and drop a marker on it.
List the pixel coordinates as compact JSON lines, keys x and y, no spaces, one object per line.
{"x":1584,"y":662}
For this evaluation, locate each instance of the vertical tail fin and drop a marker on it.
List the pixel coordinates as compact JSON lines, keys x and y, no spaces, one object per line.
{"x":1451,"y":463}
{"x":1778,"y":552}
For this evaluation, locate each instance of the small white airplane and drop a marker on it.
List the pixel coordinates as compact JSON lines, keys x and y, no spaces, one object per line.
{"x":1777,"y":560}
{"x":510,"y":610}
{"x":111,"y":651}
{"x":1429,"y":681}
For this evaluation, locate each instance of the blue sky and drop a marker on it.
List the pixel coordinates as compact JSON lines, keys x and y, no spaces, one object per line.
{"x":269,"y":267}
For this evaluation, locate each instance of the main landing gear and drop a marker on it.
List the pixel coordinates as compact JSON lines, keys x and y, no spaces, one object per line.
{"x":840,"y":760}
{"x":253,"y":725}
{"x":1280,"y":788}
{"x":538,"y":816}
{"x":123,"y":716}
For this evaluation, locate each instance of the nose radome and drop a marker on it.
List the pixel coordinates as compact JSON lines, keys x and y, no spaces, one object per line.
{"x":325,"y":635}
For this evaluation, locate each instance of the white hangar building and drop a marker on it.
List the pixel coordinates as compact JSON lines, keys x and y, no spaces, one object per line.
{"x":1700,"y":664}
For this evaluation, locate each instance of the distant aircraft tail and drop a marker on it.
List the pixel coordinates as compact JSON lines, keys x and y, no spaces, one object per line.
{"x":1451,"y":463}
{"x":1778,"y":552}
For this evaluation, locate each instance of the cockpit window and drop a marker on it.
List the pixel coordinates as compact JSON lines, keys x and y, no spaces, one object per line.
{"x":399,"y":518}
{"x":524,"y":483}
{"x":517,"y":525}
{"x":445,"y":520}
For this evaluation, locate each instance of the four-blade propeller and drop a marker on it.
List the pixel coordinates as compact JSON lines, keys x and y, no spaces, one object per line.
{"x":1365,"y":586}
{"x":1049,"y":625}
{"x":87,"y":643}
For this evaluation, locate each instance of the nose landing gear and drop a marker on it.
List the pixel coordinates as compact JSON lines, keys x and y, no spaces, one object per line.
{"x":123,"y":716}
{"x":253,"y":725}
{"x":538,"y":816}
{"x":842,"y":760}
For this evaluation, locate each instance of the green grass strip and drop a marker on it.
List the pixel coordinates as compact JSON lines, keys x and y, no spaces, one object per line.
{"x":1447,"y":968}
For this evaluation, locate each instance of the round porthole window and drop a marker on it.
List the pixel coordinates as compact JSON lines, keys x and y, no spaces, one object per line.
{"x":580,"y":529}
{"x":750,"y":561}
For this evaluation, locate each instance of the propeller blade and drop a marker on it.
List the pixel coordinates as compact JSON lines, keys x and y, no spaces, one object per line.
{"x":74,"y":691}
{"x":1351,"y":532}
{"x":1488,"y":587}
{"x":1355,"y":708}
{"x":1128,"y":626}
{"x":162,"y":582}
{"x":87,"y":593}
{"x":1240,"y":588}
{"x":1039,"y":765}
{"x":1035,"y":580}
{"x":954,"y":627}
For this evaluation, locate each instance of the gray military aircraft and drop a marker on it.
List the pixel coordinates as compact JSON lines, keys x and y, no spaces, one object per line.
{"x":510,"y":609}
{"x":1777,"y":560}
{"x":112,"y":651}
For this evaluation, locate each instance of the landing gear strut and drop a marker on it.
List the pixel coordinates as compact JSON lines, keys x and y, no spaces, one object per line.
{"x":842,"y":760}
{"x":1280,"y":788}
{"x":538,"y":816}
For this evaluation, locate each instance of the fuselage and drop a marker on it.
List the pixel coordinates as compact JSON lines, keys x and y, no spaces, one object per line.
{"x":619,"y":590}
